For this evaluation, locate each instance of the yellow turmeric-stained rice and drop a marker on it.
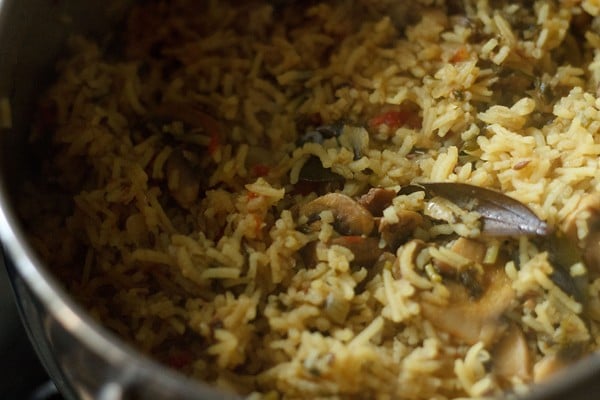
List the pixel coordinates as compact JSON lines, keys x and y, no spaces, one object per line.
{"x":239,"y":189}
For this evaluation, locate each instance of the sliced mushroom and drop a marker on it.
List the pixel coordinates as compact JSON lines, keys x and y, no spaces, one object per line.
{"x":587,"y":217}
{"x":336,"y":308}
{"x":182,"y":182}
{"x":471,"y":320}
{"x":188,"y":114}
{"x":376,"y":200}
{"x":354,"y":138}
{"x":385,"y":260}
{"x":591,"y":252}
{"x":586,"y":209}
{"x":350,"y":217}
{"x":552,"y":364}
{"x":470,"y":249}
{"x":366,"y":250}
{"x":561,"y":276}
{"x":394,"y":234}
{"x":309,"y":254}
{"x":511,"y":355}
{"x":313,"y":171}
{"x":547,"y":367}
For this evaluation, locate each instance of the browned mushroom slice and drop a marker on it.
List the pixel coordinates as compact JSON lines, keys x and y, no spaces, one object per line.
{"x":547,"y":367}
{"x":511,"y":355}
{"x":568,"y":354}
{"x":365,"y":249}
{"x":385,"y":260}
{"x":313,"y":171}
{"x":394,"y":234}
{"x":182,"y":182}
{"x":562,"y":254}
{"x":350,"y":217}
{"x":376,"y":200}
{"x":587,"y":208}
{"x":355,"y":138}
{"x":591,"y":251}
{"x":583,"y":227}
{"x":336,"y":308}
{"x":190,"y":115}
{"x":470,"y":249}
{"x":471,"y":320}
{"x":309,"y":254}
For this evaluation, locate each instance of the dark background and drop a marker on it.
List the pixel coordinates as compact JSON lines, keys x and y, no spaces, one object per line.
{"x":21,"y":375}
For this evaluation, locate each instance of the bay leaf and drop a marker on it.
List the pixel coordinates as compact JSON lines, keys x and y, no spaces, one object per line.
{"x":501,"y":215}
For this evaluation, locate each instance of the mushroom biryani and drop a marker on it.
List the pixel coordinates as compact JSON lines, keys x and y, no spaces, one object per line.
{"x":341,"y":199}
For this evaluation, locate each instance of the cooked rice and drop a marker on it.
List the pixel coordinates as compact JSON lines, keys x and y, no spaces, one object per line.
{"x":207,"y":273}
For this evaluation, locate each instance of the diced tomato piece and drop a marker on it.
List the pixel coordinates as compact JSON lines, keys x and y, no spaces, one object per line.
{"x":390,"y":118}
{"x":260,"y":170}
{"x":46,"y":117}
{"x":219,"y":234}
{"x":396,"y":119}
{"x":353,"y":239}
{"x":179,"y":360}
{"x":214,"y":144}
{"x":460,"y":55}
{"x":258,"y":227}
{"x":252,"y":195}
